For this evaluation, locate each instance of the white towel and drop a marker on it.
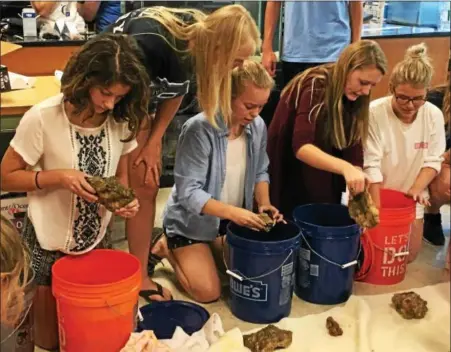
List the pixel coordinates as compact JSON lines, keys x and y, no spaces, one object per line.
{"x":369,"y":324}
{"x":200,"y":341}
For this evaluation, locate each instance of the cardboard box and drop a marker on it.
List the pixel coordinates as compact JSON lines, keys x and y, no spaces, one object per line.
{"x":14,"y":207}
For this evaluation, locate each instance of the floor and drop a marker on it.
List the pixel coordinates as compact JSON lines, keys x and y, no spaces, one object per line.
{"x":420,"y":273}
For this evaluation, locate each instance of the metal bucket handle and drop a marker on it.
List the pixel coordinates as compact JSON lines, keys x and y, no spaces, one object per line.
{"x":391,"y":252}
{"x":241,"y":277}
{"x":342,"y":266}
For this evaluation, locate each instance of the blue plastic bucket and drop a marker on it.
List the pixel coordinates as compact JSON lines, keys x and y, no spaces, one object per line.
{"x":164,"y":317}
{"x":330,"y":246}
{"x":261,"y":269}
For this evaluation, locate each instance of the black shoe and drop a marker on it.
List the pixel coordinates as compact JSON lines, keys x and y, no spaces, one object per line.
{"x":433,"y":231}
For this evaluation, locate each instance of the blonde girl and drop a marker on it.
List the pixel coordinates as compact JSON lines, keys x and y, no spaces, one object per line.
{"x":315,"y":138}
{"x":181,"y":47}
{"x":219,"y":172}
{"x":407,"y":139}
{"x":14,"y":273}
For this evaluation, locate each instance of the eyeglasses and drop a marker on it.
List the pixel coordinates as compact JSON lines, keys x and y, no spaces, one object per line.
{"x":403,"y":100}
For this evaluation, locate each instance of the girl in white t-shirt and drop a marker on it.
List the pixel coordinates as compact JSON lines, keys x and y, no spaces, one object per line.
{"x":87,"y":130}
{"x":406,"y":138}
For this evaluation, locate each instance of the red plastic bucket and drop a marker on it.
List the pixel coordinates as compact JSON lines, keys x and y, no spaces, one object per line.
{"x":386,"y":246}
{"x":97,"y":297}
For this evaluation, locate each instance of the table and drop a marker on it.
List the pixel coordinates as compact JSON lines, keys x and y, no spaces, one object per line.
{"x":16,"y":103}
{"x":40,"y":58}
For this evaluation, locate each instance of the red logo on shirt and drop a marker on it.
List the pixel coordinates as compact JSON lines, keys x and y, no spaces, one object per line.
{"x":421,"y":145}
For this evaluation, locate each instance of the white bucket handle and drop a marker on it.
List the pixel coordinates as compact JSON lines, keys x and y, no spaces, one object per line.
{"x":342,"y":266}
{"x":241,"y":277}
{"x":393,"y":252}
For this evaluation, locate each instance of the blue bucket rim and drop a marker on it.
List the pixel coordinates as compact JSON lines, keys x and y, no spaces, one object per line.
{"x":324,"y":228}
{"x":288,"y":240}
{"x":195,"y":308}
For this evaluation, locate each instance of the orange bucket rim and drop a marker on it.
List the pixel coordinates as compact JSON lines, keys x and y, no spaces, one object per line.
{"x":393,"y":191}
{"x":129,"y":278}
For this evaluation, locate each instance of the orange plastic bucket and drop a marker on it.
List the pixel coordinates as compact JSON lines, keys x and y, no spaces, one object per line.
{"x":386,"y":247}
{"x":97,"y":297}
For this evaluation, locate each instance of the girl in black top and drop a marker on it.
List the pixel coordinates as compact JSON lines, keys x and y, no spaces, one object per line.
{"x":180,"y":46}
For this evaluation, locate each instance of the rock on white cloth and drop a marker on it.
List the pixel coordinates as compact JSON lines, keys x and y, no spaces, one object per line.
{"x":370,"y":324}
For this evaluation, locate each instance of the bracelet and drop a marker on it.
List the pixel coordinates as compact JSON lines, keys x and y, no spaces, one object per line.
{"x":36,"y":180}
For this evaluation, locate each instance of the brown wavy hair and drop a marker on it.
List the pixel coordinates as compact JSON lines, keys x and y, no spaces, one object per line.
{"x":14,"y":273}
{"x":446,"y":106}
{"x":445,"y":90}
{"x":105,"y":60}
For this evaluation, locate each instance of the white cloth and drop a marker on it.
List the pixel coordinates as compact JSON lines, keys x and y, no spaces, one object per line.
{"x":396,"y":152}
{"x":47,"y":140}
{"x":233,"y":189}
{"x":369,"y":324}
{"x":200,"y":341}
{"x":65,"y":12}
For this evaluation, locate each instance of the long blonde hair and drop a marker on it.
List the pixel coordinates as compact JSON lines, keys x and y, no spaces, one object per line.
{"x":14,"y":272}
{"x":215,"y":40}
{"x":250,"y":72}
{"x":341,"y":129}
{"x":415,"y":69}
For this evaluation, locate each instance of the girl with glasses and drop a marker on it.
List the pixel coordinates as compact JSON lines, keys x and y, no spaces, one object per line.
{"x":406,"y":138}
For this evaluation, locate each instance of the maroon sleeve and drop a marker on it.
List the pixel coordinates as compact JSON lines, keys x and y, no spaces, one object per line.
{"x":304,"y":125}
{"x":354,"y":155}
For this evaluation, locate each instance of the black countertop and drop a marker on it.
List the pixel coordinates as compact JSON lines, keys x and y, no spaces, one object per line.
{"x":43,"y":43}
{"x":401,"y":31}
{"x":368,"y":32}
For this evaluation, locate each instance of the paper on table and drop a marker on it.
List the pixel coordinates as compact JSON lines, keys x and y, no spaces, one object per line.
{"x":21,"y":82}
{"x":58,"y":75}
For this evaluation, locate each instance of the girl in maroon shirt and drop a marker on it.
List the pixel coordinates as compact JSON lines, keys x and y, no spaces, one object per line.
{"x":315,"y":137}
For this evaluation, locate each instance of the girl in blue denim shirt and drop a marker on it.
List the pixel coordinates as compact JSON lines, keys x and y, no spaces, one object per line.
{"x":220,"y":169}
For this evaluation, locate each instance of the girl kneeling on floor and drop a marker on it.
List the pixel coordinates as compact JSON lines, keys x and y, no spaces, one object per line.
{"x":407,"y":139}
{"x":87,"y":130}
{"x":221,"y":167}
